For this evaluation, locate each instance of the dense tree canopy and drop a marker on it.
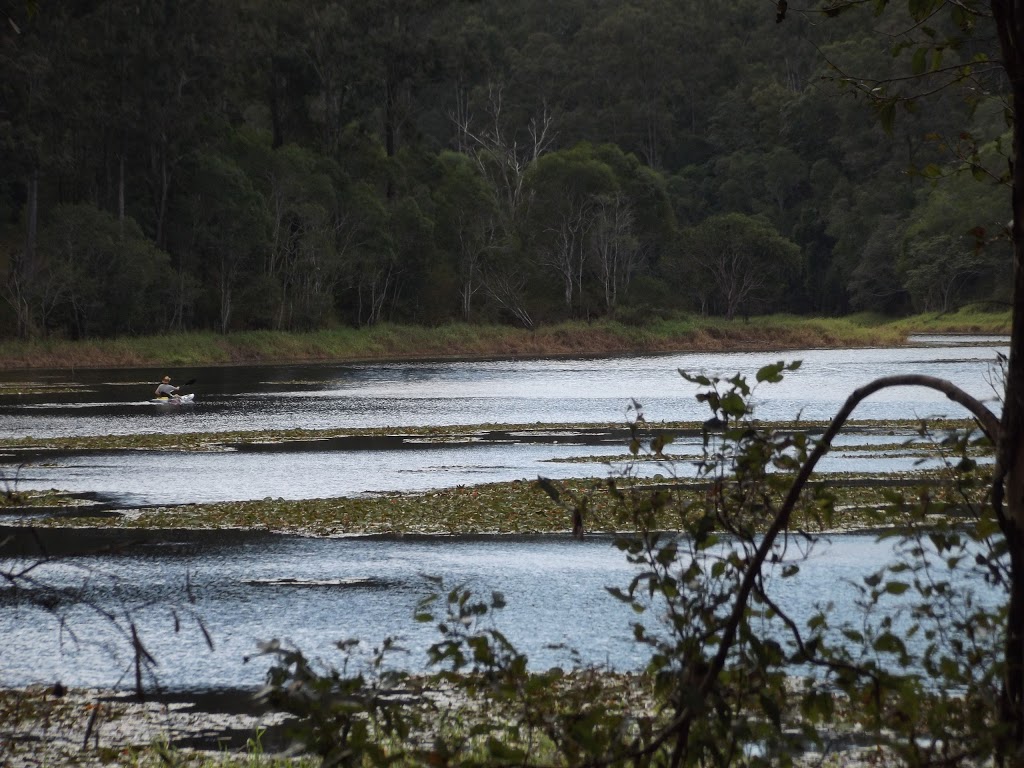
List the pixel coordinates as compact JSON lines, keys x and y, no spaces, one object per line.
{"x":292,"y":165}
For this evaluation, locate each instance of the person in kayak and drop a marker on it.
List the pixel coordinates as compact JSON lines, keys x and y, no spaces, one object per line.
{"x":166,"y":389}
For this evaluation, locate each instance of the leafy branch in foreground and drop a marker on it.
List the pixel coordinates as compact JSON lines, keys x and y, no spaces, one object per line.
{"x":740,"y":679}
{"x":735,"y":674}
{"x":866,"y":680}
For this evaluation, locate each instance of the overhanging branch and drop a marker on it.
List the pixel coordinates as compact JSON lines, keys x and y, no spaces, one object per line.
{"x":989,"y":425}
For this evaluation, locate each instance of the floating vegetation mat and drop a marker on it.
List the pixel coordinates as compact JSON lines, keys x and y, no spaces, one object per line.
{"x":523,"y":507}
{"x":520,"y":507}
{"x":219,"y":441}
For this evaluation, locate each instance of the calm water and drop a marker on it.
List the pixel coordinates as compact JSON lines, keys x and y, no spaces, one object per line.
{"x":247,"y":588}
{"x":535,"y":393}
{"x":127,"y":480}
{"x":503,"y":392}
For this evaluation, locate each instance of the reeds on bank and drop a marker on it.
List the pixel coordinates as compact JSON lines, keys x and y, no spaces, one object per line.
{"x":468,"y":341}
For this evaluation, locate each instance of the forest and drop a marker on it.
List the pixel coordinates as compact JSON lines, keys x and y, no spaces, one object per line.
{"x":248,"y":164}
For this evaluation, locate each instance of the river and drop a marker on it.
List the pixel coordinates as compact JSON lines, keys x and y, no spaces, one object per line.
{"x":250,"y":587}
{"x":528,"y":393}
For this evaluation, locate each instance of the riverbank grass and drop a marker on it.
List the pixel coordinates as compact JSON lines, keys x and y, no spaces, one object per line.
{"x":465,"y":341}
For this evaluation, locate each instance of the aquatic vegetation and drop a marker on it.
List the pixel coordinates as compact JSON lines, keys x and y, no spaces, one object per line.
{"x":219,"y":441}
{"x":502,"y":508}
{"x":518,"y":507}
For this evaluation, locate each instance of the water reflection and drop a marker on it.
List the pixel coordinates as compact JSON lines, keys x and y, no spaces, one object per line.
{"x":248,"y":588}
{"x":591,"y":391}
{"x":382,"y":396}
{"x":139,"y":478}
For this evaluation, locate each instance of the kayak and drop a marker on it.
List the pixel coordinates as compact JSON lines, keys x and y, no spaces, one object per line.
{"x":182,"y":400}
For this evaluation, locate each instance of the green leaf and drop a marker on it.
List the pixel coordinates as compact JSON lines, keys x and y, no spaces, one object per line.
{"x":771,"y":373}
{"x":697,"y":379}
{"x":734,"y":405}
{"x":961,"y":17}
{"x":618,"y":594}
{"x":549,"y":488}
{"x":504,"y":753}
{"x":896,"y":587}
{"x":887,"y":115}
{"x":853,"y":636}
{"x":919,"y":63}
{"x":889,"y":643}
{"x":922,"y":9}
{"x":658,"y":443}
{"x":772,"y":710}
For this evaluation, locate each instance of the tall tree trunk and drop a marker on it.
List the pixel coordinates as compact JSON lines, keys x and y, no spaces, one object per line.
{"x":390,"y":130}
{"x":1009,"y":498}
{"x":120,"y":191}
{"x":165,"y":186}
{"x":274,"y":100}
{"x":32,"y":228}
{"x":24,"y":269}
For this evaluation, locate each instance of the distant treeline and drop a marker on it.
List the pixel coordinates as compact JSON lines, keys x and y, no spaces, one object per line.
{"x":294,"y":165}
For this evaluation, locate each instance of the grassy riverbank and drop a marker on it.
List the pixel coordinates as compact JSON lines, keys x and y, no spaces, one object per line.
{"x":395,"y":342}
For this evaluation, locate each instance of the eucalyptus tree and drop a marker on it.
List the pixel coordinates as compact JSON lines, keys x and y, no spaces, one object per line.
{"x":534,"y":75}
{"x":785,"y":177}
{"x":177,"y":103}
{"x":643,"y":221}
{"x":302,"y":262}
{"x":566,"y":186}
{"x":939,"y":272}
{"x":223,"y":231}
{"x":504,"y":156}
{"x":286,"y":64}
{"x":464,"y":217}
{"x":122,"y":96}
{"x":303,"y":254}
{"x":947,"y":259}
{"x":633,"y":51}
{"x":102,"y":275}
{"x":613,"y":246}
{"x":874,"y":284}
{"x":386,"y":242}
{"x":28,"y":104}
{"x":741,"y":261}
{"x":476,"y":45}
{"x":368,"y":272}
{"x":399,"y":48}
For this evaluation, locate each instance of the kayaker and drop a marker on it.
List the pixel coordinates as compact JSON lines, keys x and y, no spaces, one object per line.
{"x":166,"y":389}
